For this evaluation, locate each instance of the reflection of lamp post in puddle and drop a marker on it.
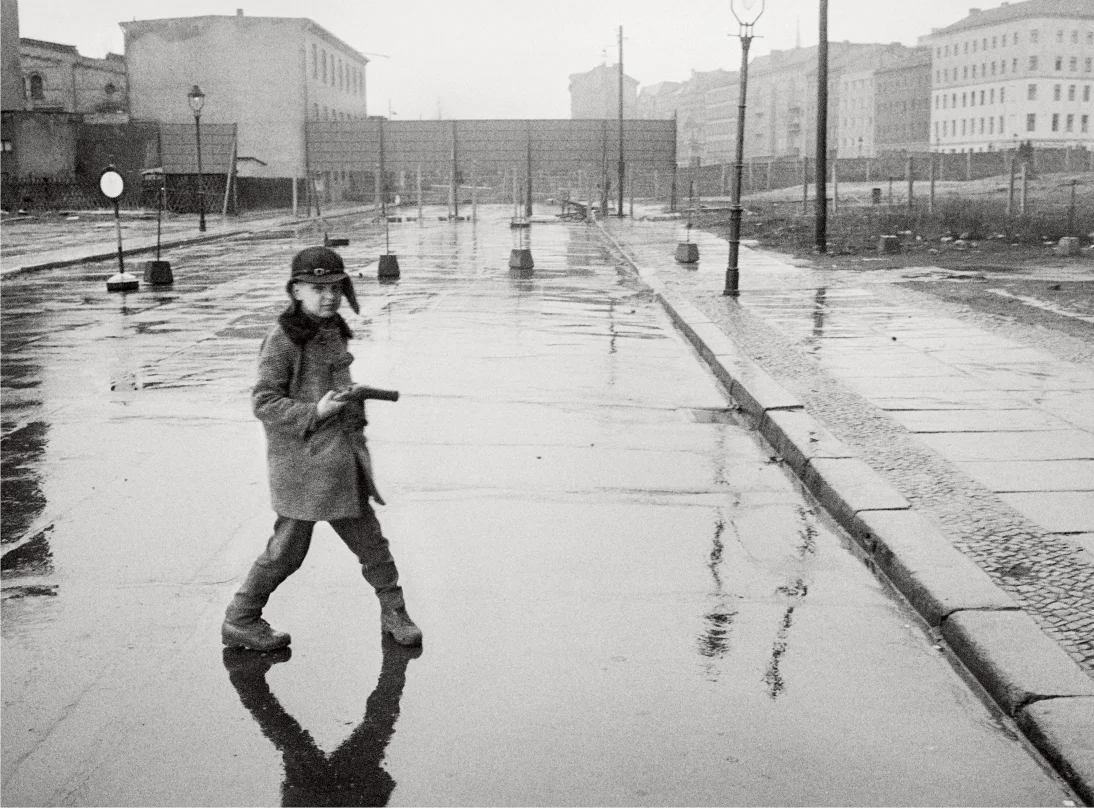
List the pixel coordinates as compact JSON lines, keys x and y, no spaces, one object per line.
{"x":751,"y":14}
{"x":113,"y":186}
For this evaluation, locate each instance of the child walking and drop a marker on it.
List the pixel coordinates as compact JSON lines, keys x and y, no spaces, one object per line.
{"x":319,"y":464}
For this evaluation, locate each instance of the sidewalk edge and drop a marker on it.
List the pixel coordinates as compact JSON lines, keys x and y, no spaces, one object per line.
{"x":1024,"y":675}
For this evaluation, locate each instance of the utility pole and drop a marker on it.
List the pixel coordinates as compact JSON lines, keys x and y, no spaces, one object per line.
{"x":621,"y":169}
{"x":822,"y":132}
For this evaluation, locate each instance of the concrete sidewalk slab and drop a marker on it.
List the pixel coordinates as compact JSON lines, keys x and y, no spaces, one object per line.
{"x":1006,"y":446}
{"x":1012,"y":420}
{"x":1033,"y":475}
{"x":1059,"y":511}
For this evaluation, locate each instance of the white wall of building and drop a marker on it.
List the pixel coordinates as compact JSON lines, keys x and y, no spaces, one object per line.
{"x":997,"y":85}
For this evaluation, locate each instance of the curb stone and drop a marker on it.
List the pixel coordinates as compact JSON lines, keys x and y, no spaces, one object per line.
{"x":1030,"y":678}
{"x":98,"y":257}
{"x":1061,"y":729}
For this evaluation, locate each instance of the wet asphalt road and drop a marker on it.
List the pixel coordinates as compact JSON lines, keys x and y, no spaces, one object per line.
{"x":625,"y":601}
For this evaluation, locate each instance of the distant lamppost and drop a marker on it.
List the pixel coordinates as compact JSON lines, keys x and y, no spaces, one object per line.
{"x":751,"y":11}
{"x":197,"y":100}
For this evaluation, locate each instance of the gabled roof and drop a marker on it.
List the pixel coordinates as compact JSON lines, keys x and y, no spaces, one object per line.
{"x":1081,"y":9}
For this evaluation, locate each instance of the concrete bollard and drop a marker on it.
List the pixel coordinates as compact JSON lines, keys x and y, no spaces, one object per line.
{"x":158,"y":273}
{"x":888,"y":245}
{"x":687,"y":253}
{"x":1068,"y":245}
{"x":389,"y":267}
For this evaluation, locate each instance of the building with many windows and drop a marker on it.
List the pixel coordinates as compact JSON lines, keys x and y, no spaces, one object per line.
{"x":1020,"y":72}
{"x":267,"y":75}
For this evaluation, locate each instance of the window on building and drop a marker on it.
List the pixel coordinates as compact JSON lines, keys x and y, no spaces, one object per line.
{"x":964,"y":122}
{"x":1059,"y":62}
{"x":964,"y":99}
{"x":993,"y":68}
{"x":1071,"y":92}
{"x":1031,"y":122}
{"x":324,"y":51}
{"x":314,"y":61}
{"x":315,"y":111}
{"x":37,"y":87}
{"x":1002,"y":94}
{"x":1086,"y":92}
{"x":1083,"y":121}
{"x":1055,"y":121}
{"x":1032,"y":62}
{"x":993,"y":43}
{"x":974,"y":46}
{"x":1014,"y":65}
{"x":326,"y":115}
{"x":982,"y":98}
{"x":966,"y":47}
{"x":981,"y":126}
{"x":1056,"y":92}
{"x":1031,"y":92}
{"x":965,"y":72}
{"x":1035,"y":35}
{"x":1090,"y":37}
{"x":1003,"y":66}
{"x":1069,"y":123}
{"x":1088,"y":64}
{"x":1060,"y":35}
{"x":992,"y":98}
{"x":1073,"y":64}
{"x":1000,"y":124}
{"x":1075,"y":36}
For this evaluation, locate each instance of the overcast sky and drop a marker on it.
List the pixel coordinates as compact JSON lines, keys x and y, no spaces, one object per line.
{"x":493,"y":59}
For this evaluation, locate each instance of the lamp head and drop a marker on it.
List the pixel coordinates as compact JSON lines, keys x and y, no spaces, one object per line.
{"x":747,"y":11}
{"x":196,"y":98}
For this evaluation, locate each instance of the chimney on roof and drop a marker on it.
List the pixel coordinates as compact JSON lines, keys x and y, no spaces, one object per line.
{"x":973,"y":11}
{"x":239,"y":12}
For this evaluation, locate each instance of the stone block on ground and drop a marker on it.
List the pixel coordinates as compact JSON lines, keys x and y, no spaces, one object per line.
{"x":1068,"y":245}
{"x":888,"y":245}
{"x":1013,"y":658}
{"x":798,"y":438}
{"x":848,"y":486}
{"x":1063,"y":731}
{"x":935,"y":577}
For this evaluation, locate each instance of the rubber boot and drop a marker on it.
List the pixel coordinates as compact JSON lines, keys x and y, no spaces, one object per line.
{"x":396,"y":622}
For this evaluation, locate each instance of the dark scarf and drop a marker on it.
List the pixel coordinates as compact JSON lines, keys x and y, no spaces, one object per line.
{"x":301,"y":329}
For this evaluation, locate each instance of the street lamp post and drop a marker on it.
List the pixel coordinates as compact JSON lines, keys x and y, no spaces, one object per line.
{"x":751,"y":14}
{"x":197,"y":100}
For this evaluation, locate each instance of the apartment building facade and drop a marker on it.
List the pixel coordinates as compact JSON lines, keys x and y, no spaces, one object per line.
{"x":267,"y":75}
{"x":903,"y":103}
{"x":57,"y":78}
{"x":1020,"y":72}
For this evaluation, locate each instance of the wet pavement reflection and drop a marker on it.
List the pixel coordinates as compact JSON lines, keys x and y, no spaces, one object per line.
{"x":353,"y":773}
{"x":625,"y":597}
